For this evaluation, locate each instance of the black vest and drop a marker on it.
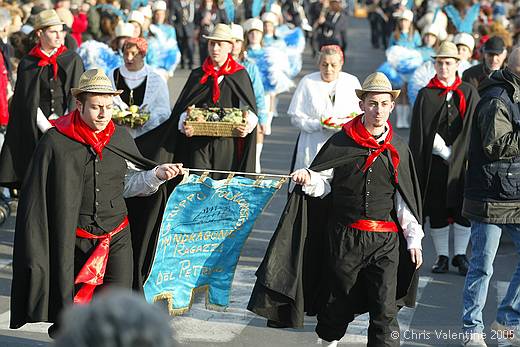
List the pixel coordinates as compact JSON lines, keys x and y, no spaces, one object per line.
{"x":52,"y":95}
{"x":450,"y":122}
{"x":138,"y":92}
{"x":357,"y":195}
{"x":488,"y":180}
{"x":102,"y":203}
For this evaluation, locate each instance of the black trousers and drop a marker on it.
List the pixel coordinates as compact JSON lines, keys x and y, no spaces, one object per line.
{"x":186,"y":47}
{"x":363,"y":274}
{"x":377,"y":30}
{"x":436,"y":198}
{"x":120,"y":265}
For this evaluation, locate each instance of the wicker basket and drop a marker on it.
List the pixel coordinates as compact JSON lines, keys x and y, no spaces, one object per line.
{"x":204,"y":122}
{"x":213,"y":129}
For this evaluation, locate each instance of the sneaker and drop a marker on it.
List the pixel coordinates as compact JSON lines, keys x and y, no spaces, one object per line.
{"x":506,"y":333}
{"x":474,"y":340}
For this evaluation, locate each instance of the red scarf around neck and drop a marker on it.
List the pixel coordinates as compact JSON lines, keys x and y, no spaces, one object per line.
{"x":46,"y":60}
{"x":75,"y":128}
{"x":357,"y":132}
{"x":436,"y":83}
{"x":229,"y":67}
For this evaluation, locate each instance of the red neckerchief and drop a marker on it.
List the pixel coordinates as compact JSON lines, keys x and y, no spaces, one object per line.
{"x":75,"y":128}
{"x":229,"y":67}
{"x":435,"y":83}
{"x":357,"y":132}
{"x":46,"y":60}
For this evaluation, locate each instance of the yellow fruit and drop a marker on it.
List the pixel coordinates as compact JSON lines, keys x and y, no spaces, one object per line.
{"x":134,"y":108}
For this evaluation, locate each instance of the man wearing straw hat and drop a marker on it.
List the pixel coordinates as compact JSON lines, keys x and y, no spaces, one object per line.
{"x":439,"y":140}
{"x":42,"y":93}
{"x":363,"y":184}
{"x":72,"y":231}
{"x":219,"y":82}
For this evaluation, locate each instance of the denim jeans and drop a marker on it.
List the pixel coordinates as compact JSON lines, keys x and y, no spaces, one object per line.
{"x":485,"y":239}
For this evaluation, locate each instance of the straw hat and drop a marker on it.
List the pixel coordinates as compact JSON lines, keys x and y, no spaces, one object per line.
{"x":159,"y":5}
{"x":94,"y":81}
{"x":377,"y":83}
{"x":136,"y":16}
{"x":46,"y":19}
{"x":270,"y":17}
{"x":447,"y":50}
{"x":124,"y":29}
{"x":253,"y":24}
{"x":237,"y":32}
{"x":222,"y":32}
{"x":464,"y":39}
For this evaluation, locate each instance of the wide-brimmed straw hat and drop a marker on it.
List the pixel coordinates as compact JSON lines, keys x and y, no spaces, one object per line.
{"x":447,"y":50}
{"x":222,"y":32}
{"x":94,"y":81}
{"x":377,"y":83}
{"x":46,"y":19}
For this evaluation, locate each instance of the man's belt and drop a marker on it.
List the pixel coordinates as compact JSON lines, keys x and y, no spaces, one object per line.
{"x":93,"y":271}
{"x":375,"y":226}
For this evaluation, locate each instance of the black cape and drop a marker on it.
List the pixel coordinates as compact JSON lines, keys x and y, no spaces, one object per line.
{"x":47,"y":217}
{"x":22,"y":133}
{"x":428,"y":108}
{"x":165,"y":144}
{"x":292,"y":278}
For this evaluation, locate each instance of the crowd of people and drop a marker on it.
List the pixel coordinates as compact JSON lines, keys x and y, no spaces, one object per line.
{"x":452,"y":75}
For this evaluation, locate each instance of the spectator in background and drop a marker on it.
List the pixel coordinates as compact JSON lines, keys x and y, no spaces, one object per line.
{"x":136,"y":18}
{"x":495,"y":54}
{"x":183,"y":15}
{"x":68,"y":19}
{"x":332,"y":25}
{"x":405,"y":34}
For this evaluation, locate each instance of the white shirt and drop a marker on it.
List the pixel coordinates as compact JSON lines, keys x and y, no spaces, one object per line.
{"x":319,"y":186}
{"x":140,"y":183}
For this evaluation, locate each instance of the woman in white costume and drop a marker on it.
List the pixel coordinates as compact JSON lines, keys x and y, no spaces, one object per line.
{"x":326,"y":96}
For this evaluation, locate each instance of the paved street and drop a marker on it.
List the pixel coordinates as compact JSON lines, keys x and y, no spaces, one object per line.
{"x":439,"y":298}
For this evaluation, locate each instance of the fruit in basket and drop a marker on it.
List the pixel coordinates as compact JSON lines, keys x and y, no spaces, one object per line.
{"x":134,"y":109}
{"x":337,"y":122}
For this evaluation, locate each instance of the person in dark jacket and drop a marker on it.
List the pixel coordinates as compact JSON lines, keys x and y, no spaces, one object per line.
{"x":183,"y":18}
{"x":439,"y":138}
{"x":495,"y":54}
{"x":492,"y":197}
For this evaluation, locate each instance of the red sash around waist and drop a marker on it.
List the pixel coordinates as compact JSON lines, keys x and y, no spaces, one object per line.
{"x":375,"y":226}
{"x":93,"y":272}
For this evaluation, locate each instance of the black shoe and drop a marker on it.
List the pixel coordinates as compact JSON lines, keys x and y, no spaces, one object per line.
{"x":461,"y":262}
{"x":275,"y":324}
{"x":53,"y":331}
{"x":441,"y":265}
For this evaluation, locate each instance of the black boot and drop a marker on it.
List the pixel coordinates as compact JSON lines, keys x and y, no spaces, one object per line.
{"x":461,"y":262}
{"x":275,"y":324}
{"x":441,"y":265}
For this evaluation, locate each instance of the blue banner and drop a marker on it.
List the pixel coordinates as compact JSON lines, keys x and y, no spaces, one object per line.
{"x":203,"y":230}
